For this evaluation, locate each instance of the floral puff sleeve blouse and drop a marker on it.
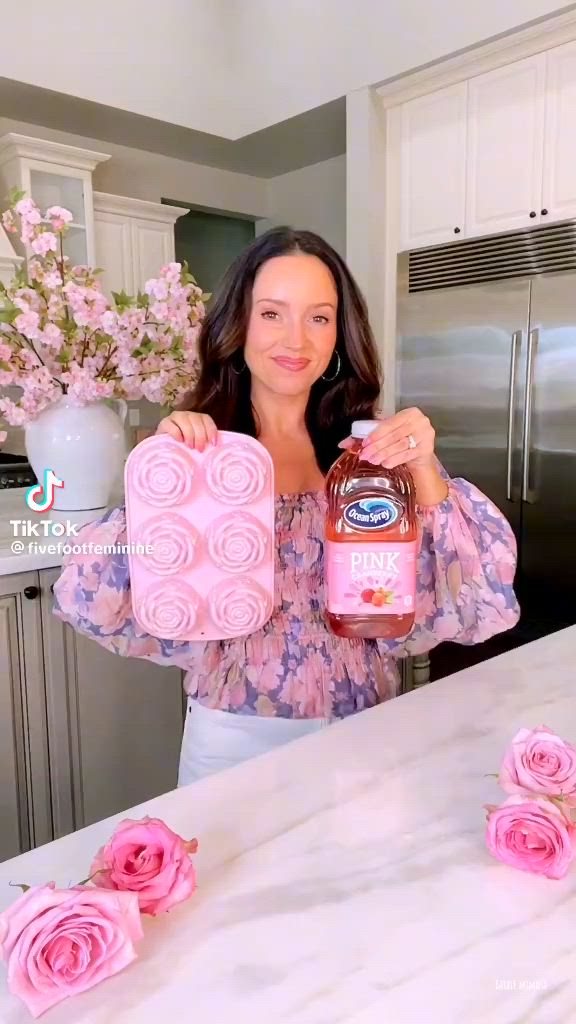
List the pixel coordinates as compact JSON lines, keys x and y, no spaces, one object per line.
{"x":294,"y":667}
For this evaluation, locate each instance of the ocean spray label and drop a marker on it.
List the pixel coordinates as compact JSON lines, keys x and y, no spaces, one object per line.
{"x":371,"y":513}
{"x":371,"y":579}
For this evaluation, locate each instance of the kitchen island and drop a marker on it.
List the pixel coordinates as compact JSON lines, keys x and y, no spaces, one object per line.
{"x":344,"y":879}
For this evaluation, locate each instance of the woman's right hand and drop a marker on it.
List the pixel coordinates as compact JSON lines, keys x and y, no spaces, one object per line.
{"x":195,"y":428}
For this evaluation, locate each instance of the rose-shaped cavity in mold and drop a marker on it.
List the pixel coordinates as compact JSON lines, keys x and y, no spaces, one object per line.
{"x":163,"y":477}
{"x":239,"y":606}
{"x":236,"y":473}
{"x":237,"y":542}
{"x":168,"y":610}
{"x":172,"y":541}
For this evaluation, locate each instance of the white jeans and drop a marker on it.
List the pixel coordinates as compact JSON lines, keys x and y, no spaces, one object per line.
{"x":214,"y":740}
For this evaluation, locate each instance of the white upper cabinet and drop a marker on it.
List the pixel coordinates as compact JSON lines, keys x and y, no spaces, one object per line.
{"x":559,"y":181}
{"x":134,"y":240}
{"x":433,"y":168}
{"x":505,"y":147}
{"x":496,"y":153}
{"x":113,"y":241}
{"x":153,"y":245}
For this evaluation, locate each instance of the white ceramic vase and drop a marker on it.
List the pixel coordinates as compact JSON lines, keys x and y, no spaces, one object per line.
{"x":85,"y":447}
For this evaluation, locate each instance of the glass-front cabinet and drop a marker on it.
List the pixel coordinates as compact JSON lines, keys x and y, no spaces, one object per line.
{"x":53,"y":174}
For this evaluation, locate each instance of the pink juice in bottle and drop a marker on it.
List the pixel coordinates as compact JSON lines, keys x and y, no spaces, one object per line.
{"x":371,"y":545}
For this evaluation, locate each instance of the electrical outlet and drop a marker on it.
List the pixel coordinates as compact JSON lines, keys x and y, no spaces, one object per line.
{"x":134,"y":417}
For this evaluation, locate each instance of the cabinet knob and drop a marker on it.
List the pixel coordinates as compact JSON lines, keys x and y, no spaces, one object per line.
{"x":31,"y":592}
{"x":456,"y":231}
{"x":544,"y":213}
{"x":532,"y":213}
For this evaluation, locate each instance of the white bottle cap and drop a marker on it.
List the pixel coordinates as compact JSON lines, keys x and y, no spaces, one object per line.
{"x":361,"y":428}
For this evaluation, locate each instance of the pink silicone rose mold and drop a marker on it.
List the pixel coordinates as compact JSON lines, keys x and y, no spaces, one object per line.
{"x":238,"y":606}
{"x":236,"y":474}
{"x":163,"y":481}
{"x":169,"y":610}
{"x":172,"y":541}
{"x":237,"y":542}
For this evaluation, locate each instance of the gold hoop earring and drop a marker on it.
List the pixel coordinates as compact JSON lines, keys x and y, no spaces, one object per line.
{"x":334,"y":375}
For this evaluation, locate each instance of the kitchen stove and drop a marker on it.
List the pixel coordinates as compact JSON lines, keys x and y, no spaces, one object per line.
{"x":15,"y":471}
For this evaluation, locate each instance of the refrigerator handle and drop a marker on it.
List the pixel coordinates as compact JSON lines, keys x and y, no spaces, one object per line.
{"x":533,"y":339}
{"x":516,"y":339}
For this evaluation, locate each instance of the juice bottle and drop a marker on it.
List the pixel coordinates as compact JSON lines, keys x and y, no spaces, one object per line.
{"x":371,"y":545}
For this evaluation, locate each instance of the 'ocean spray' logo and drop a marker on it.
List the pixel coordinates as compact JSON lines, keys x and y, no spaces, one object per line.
{"x":371,"y":514}
{"x":40,"y":497}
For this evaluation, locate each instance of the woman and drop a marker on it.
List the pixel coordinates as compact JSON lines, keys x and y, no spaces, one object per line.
{"x":287,"y":356}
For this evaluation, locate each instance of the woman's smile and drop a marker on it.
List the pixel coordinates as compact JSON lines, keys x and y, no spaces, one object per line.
{"x":291,"y":363}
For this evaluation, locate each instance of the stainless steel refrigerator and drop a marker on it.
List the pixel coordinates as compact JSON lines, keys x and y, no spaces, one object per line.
{"x":486,"y":347}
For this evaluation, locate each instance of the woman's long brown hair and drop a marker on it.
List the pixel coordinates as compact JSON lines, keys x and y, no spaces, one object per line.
{"x":224,"y":394}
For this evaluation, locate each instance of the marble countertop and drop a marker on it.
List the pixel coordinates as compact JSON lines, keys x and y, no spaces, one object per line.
{"x":38,"y":551}
{"x":344,"y":879}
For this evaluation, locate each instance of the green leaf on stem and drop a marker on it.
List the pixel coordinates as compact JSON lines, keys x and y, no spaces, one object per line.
{"x":90,"y":877}
{"x":15,"y":195}
{"x":142,"y":299}
{"x":185,"y":276}
{"x":122,"y":300}
{"x":8,"y":312}
{"x":205,"y":296}
{"x":145,"y":347}
{"x":21,"y":278}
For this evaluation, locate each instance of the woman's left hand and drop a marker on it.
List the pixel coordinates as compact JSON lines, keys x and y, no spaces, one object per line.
{"x":389,"y":445}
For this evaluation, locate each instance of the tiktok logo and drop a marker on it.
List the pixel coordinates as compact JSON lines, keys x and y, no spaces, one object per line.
{"x":40,"y":497}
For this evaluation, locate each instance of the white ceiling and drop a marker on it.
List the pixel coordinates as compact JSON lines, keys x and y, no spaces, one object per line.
{"x":256,"y":86}
{"x":298,"y":54}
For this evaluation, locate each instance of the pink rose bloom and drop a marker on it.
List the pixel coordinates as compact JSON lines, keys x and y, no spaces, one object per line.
{"x":147,"y":858}
{"x":59,"y":942}
{"x":531,"y":835}
{"x":539,"y":761}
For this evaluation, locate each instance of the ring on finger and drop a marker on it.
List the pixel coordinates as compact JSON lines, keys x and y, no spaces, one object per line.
{"x":412,"y":443}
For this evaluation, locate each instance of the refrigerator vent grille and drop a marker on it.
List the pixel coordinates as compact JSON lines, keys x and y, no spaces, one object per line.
{"x":542,"y":250}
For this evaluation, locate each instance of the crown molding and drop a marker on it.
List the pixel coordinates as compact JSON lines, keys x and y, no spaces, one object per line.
{"x":124,"y":206}
{"x":26,"y":147}
{"x":499,"y":52}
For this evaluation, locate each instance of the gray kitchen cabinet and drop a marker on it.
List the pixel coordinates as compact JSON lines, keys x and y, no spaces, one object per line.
{"x":115,"y":724}
{"x":84,"y":733}
{"x":25,"y":809}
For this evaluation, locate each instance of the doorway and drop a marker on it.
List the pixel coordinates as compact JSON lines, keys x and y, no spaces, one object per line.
{"x":209,"y":242}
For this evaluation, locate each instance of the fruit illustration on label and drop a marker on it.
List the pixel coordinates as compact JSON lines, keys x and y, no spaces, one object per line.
{"x":377,"y":597}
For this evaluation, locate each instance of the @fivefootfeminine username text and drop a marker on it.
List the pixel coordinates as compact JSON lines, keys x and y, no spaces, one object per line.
{"x":33,"y":547}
